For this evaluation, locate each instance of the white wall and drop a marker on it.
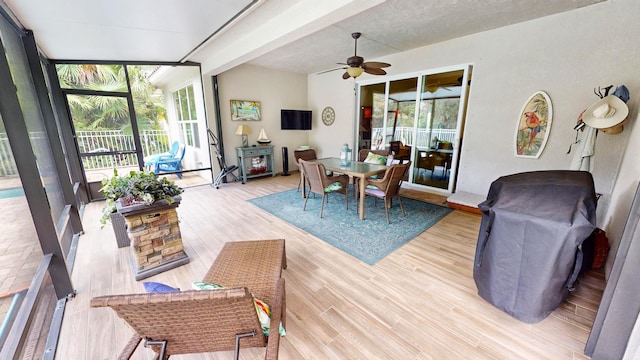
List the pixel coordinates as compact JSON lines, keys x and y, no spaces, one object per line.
{"x":566,"y":55}
{"x":170,"y":80}
{"x":624,"y":190}
{"x":328,"y":140}
{"x":275,"y":90}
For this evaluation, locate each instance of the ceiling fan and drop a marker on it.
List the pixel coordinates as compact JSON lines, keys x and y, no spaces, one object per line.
{"x":356,"y":64}
{"x":434,"y":86}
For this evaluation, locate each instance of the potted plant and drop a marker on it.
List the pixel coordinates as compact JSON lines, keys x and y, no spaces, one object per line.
{"x":137,"y":187}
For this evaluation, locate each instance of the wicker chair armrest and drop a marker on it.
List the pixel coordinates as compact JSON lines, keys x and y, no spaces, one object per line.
{"x":380,"y":183}
{"x":157,"y":298}
{"x":278,"y":314}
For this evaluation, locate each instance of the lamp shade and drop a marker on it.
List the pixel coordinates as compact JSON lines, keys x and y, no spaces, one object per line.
{"x":354,"y":72}
{"x":243,"y":130}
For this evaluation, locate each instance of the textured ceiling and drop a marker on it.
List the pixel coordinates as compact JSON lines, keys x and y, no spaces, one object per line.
{"x":400,"y":25}
{"x":167,"y":30}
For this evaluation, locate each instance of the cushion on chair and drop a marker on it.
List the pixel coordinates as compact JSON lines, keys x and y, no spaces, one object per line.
{"x":373,"y":158}
{"x":264,"y":315}
{"x":376,"y":159}
{"x":199,"y":285}
{"x":262,"y":309}
{"x":156,"y":287}
{"x":374,"y":191}
{"x":333,"y":187}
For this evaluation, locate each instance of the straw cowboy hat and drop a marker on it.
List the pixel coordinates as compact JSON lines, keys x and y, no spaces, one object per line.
{"x":607,"y":114}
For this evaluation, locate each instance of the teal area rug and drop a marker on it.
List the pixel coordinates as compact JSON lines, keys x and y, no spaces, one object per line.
{"x":368,"y":240}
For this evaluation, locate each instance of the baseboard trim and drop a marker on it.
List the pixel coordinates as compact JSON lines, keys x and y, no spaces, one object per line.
{"x":465,"y":201}
{"x":466,"y":208}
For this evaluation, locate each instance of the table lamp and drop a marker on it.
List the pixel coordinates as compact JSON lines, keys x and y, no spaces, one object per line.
{"x":244,"y":130}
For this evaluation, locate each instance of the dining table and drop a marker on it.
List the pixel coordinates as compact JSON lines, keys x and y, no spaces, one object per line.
{"x":357,"y":169}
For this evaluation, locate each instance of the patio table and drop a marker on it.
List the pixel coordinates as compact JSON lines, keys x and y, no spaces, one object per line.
{"x":357,"y":169}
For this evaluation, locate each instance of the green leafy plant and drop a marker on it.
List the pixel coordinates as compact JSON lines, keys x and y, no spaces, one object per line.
{"x":136,"y":187}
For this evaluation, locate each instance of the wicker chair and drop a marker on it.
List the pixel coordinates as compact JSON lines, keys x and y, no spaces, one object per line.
{"x":362,"y":154}
{"x":304,"y":154}
{"x":319,"y":183}
{"x":211,"y":320}
{"x":388,"y":187}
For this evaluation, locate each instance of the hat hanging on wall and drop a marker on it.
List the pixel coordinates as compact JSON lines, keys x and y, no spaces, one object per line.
{"x":607,"y":114}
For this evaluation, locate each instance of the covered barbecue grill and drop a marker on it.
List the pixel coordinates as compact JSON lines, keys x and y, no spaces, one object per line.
{"x":529,"y":252}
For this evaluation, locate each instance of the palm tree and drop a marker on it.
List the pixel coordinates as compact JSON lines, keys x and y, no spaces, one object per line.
{"x":99,"y":112}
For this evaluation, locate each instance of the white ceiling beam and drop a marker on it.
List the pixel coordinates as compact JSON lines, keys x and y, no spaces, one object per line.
{"x":278,"y":23}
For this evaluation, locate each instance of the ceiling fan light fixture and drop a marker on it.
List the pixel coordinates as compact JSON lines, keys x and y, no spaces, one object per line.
{"x":432,"y":87}
{"x":354,"y":72}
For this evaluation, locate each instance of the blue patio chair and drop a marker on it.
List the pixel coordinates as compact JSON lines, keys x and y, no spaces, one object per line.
{"x":150,"y":162}
{"x":171,"y":164}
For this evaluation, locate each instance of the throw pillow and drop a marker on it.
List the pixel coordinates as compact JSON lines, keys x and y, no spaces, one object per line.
{"x":373,"y":158}
{"x":264,"y":315}
{"x":198,"y":285}
{"x":263,"y":310}
{"x":156,"y":287}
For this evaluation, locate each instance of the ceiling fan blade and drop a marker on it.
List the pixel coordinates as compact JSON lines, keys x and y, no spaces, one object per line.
{"x":346,"y":75}
{"x":326,"y":71}
{"x":375,"y":64}
{"x":374,"y":71}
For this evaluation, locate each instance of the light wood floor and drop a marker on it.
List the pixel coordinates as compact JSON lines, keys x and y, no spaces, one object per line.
{"x":420,"y":302}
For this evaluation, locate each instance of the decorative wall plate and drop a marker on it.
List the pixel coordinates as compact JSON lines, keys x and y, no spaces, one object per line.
{"x":328,"y":116}
{"x":534,"y":125}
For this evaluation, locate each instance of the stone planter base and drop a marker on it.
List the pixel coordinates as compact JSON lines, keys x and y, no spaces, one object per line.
{"x":120,"y":229}
{"x":156,"y":242}
{"x":143,"y":274}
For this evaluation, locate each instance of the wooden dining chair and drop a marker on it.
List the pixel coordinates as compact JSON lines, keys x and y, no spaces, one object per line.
{"x":429,"y":160}
{"x":388,"y":187}
{"x":320,"y":183}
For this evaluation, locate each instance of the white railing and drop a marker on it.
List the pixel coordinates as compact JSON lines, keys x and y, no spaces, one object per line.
{"x":424,"y":139}
{"x":7,"y":162}
{"x":94,"y":141}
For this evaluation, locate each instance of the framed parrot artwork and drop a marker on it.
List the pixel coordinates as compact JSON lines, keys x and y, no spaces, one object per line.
{"x":534,"y":125}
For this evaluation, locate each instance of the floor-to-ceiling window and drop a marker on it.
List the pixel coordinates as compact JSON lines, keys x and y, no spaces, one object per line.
{"x":187,"y":115}
{"x":424,"y":115}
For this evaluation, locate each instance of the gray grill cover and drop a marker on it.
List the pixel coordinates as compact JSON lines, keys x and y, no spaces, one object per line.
{"x":529,"y":246}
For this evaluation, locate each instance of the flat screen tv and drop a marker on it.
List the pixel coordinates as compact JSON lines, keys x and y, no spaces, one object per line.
{"x":295,"y":119}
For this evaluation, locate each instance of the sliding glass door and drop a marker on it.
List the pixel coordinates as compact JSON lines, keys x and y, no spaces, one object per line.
{"x":419,"y":118}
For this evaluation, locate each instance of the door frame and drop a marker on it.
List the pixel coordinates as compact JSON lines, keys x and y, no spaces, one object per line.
{"x":467,"y":69}
{"x":93,"y":188}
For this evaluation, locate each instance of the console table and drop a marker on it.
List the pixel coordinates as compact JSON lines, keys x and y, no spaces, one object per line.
{"x":255,"y":161}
